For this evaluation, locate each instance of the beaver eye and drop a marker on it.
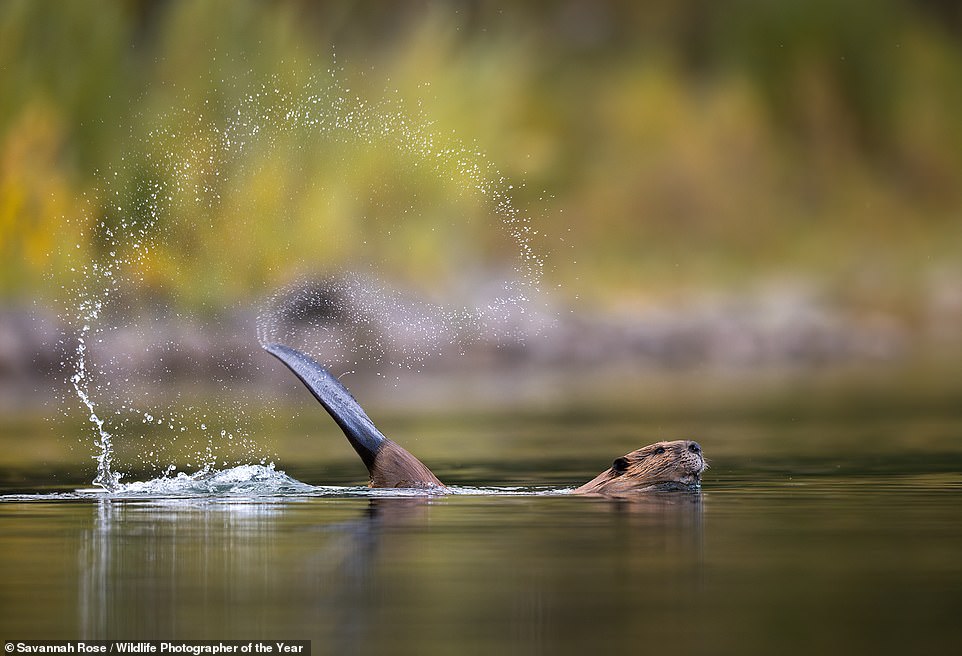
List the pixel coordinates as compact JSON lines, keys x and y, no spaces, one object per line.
{"x":620,"y":465}
{"x":659,"y":450}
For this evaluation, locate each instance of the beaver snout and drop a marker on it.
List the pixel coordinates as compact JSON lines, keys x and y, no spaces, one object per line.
{"x":695,"y":449}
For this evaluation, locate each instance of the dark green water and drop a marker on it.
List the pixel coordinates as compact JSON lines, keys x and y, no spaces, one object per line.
{"x":821,"y":528}
{"x":818,"y":560}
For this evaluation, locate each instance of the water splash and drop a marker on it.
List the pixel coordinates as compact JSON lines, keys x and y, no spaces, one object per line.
{"x":354,"y":317}
{"x":106,"y":477}
{"x":351,"y":318}
{"x":100,"y":284}
{"x":178,"y":175}
{"x":264,"y":483}
{"x":243,"y":480}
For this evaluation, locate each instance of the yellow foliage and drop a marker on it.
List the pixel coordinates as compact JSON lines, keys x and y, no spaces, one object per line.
{"x":665,"y":147}
{"x":35,"y":197}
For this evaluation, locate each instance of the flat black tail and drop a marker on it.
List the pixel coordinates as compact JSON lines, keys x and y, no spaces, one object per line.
{"x":366,"y":439}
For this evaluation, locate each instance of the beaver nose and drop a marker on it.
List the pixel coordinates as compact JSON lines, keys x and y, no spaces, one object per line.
{"x":694,"y":447}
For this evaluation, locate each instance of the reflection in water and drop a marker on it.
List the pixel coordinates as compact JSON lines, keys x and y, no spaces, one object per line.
{"x":363,"y":574}
{"x":759,"y":563}
{"x":143,"y":563}
{"x":792,"y":548}
{"x":354,"y":591}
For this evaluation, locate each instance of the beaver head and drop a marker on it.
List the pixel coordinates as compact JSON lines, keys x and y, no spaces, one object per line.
{"x":663,"y":465}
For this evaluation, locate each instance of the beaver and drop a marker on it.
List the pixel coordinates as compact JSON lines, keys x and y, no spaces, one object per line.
{"x":661,"y":466}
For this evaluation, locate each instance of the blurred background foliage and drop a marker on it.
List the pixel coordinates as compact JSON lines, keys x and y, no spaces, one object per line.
{"x":661,"y":147}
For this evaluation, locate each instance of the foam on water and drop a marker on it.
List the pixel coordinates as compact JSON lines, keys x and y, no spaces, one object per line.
{"x":244,"y":480}
{"x":189,"y":166}
{"x":253,"y":481}
{"x":261,"y":482}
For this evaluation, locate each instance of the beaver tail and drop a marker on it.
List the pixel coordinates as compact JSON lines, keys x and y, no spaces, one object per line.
{"x":388,"y":464}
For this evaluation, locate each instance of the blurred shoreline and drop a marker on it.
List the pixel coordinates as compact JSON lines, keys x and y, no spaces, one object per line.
{"x":719,"y":191}
{"x":791,"y":331}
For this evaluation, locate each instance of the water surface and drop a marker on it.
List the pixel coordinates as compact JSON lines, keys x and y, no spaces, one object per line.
{"x":768,"y":557}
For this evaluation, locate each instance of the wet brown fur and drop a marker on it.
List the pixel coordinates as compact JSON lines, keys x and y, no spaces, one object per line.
{"x":393,"y":466}
{"x":663,"y":465}
{"x":656,"y":466}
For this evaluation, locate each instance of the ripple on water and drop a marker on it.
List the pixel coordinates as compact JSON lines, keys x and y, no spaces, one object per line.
{"x":261,"y":482}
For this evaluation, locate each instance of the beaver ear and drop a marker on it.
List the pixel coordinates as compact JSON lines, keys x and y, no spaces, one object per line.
{"x":620,"y":465}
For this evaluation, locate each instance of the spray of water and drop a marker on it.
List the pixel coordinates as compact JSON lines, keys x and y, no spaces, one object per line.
{"x":383,"y":324}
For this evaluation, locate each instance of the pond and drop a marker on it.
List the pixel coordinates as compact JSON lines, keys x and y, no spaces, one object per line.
{"x":824,"y":545}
